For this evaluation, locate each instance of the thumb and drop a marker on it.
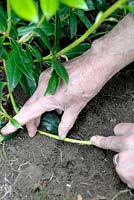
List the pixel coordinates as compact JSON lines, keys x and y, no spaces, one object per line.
{"x":67,"y":122}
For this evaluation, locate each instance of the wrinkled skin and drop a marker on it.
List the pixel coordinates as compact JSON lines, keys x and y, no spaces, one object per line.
{"x":123,"y":143}
{"x":88,"y":73}
{"x":70,"y":99}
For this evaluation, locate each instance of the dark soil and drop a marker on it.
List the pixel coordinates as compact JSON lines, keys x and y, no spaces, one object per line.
{"x":44,"y":169}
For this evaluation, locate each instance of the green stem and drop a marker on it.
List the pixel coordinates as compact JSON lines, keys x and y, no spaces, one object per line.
{"x":4,"y":114}
{"x":12,"y":100}
{"x":41,"y":21}
{"x":81,"y":142}
{"x":9,"y":22}
{"x":97,"y":23}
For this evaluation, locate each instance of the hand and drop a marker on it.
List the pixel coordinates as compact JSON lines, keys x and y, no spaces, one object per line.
{"x":84,"y":83}
{"x":123,"y":143}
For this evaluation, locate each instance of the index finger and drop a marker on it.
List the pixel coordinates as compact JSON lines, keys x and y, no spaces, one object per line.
{"x":113,"y":143}
{"x":30,"y":112}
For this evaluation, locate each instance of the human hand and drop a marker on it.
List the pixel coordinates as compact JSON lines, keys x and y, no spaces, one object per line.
{"x":123,"y":143}
{"x":84,"y":83}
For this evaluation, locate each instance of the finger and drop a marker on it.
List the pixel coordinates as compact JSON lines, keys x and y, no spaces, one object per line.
{"x":59,"y":111}
{"x":124,"y":128}
{"x":32,"y":127}
{"x":67,"y":122}
{"x":112,"y":142}
{"x":125,"y":168}
{"x":30,"y":112}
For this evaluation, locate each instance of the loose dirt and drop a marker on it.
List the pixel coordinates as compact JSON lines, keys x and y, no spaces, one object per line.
{"x":45,"y":169}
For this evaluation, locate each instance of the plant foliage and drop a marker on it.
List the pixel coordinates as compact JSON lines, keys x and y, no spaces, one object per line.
{"x":36,"y":34}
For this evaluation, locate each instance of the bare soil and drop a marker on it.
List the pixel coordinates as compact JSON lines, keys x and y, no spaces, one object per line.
{"x":45,"y":169}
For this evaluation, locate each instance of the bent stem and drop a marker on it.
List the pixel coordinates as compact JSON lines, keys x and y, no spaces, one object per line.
{"x":74,"y":141}
{"x":99,"y":19}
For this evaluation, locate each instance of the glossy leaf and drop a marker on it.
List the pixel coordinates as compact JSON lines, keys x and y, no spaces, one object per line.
{"x":3,"y":20}
{"x":53,"y":83}
{"x":2,"y":123}
{"x":22,"y":60}
{"x":46,"y":26}
{"x":83,"y":18}
{"x":25,"y":9}
{"x":49,"y":7}
{"x":73,"y":25}
{"x":29,"y":86}
{"x":50,"y":121}
{"x":78,"y":50}
{"x":43,"y":37}
{"x":35,"y":52}
{"x":15,"y":123}
{"x":90,"y":4}
{"x":7,"y":137}
{"x":12,"y":71}
{"x":2,"y":85}
{"x":3,"y":52}
{"x":76,"y":3}
{"x":60,"y":69}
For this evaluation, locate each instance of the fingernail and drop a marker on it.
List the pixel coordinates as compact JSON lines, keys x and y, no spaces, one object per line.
{"x":62,"y":136}
{"x":93,"y":139}
{"x":31,"y":135}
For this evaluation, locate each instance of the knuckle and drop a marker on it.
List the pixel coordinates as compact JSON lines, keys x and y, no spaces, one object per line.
{"x":44,"y":75}
{"x":109,"y":143}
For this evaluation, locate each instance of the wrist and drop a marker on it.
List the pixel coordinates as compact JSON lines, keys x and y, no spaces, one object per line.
{"x":114,"y":51}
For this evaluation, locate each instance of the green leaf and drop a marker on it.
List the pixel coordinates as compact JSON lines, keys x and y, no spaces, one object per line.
{"x":46,"y":26}
{"x":43,"y":37}
{"x":12,"y":71}
{"x":22,"y":60}
{"x":100,"y":4}
{"x":29,"y":86}
{"x":2,"y":123}
{"x":49,"y":7}
{"x":25,"y":9}
{"x":57,"y":32}
{"x":90,"y":5}
{"x":53,"y":83}
{"x":2,"y":85}
{"x":3,"y":52}
{"x":78,"y":50}
{"x":7,"y":137}
{"x":15,"y":123}
{"x":60,"y":69}
{"x":76,"y":3}
{"x":3,"y":20}
{"x":50,"y":121}
{"x":129,"y":8}
{"x":83,"y":18}
{"x":73,"y":25}
{"x":35,"y":52}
